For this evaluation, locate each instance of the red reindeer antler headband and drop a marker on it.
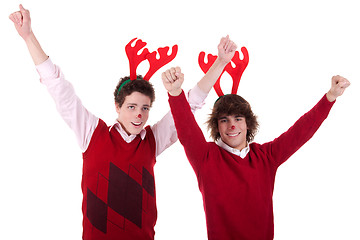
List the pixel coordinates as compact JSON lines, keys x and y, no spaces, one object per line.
{"x":155,"y":64}
{"x":235,"y":72}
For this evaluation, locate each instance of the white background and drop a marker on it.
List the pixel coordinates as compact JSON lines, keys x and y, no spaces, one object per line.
{"x":294,"y":46}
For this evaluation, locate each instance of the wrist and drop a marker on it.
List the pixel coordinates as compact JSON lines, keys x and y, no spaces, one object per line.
{"x":175,"y":92}
{"x":29,"y":37}
{"x":37,"y":53}
{"x":331,"y":97}
{"x":220,"y":62}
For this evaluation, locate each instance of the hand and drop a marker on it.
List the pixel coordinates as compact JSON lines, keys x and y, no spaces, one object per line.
{"x":226,"y":49}
{"x":22,"y":22}
{"x":338,"y":86}
{"x":172,"y":80}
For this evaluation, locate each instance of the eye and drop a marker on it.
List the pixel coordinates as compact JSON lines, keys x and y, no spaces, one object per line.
{"x":146,"y":108}
{"x":131,"y":107}
{"x":223,"y":120}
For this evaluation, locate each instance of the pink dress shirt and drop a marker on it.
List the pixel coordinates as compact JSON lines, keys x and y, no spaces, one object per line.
{"x":83,"y":122}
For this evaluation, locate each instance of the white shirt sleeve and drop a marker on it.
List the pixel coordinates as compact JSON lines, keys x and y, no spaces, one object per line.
{"x":78,"y":118}
{"x":165,"y":132}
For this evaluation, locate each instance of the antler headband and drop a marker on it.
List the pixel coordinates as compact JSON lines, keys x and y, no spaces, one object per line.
{"x":235,"y":72}
{"x":155,"y":64}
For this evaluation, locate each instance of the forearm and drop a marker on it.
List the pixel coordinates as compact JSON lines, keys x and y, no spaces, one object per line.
{"x":164,"y":133}
{"x":69,"y":106}
{"x":37,"y":53}
{"x":196,"y":98}
{"x":330,"y":97}
{"x":303,"y":129}
{"x":210,"y":78}
{"x":189,"y":133}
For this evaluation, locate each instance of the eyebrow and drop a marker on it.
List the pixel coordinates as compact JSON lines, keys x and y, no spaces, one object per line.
{"x":235,"y":116}
{"x":135,"y":104}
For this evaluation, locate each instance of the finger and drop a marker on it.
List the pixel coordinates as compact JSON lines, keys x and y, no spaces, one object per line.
{"x":344,"y":83}
{"x":168,"y":76}
{"x":234,"y":47}
{"x":335,"y":79}
{"x":222,"y":42}
{"x":164,"y":78}
{"x":165,"y":75}
{"x":17,"y":17}
{"x":226,"y":46}
{"x":180,"y":76}
{"x":172,"y":73}
{"x":12,"y":18}
{"x":178,"y":69}
{"x":230,"y":47}
{"x":178,"y":72}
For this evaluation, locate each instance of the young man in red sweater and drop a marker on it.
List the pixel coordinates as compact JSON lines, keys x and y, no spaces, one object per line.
{"x":236,"y":177}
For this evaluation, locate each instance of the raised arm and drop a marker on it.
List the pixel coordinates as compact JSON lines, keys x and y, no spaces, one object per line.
{"x":81,"y":121}
{"x":304,"y":128}
{"x":164,"y":130}
{"x":22,"y":23}
{"x":189,"y":133}
{"x":226,"y":51}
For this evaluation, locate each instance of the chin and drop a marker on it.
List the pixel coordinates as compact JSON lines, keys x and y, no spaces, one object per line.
{"x":137,"y":131}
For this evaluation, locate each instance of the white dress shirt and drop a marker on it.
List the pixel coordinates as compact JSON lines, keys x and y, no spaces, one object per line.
{"x":241,"y":153}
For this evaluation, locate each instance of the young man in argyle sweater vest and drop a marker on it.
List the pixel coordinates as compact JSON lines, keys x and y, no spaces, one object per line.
{"x":119,"y":197}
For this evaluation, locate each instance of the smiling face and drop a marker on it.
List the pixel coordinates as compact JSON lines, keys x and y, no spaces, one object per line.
{"x":233,"y":121}
{"x":134,"y":112}
{"x":232,"y":130}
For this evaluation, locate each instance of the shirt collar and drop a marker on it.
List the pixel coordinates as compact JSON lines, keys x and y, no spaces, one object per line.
{"x":237,"y":152}
{"x":127,"y":138}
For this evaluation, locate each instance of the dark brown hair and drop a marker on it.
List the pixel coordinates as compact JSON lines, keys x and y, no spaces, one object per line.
{"x":232,"y":104}
{"x":138,"y":85}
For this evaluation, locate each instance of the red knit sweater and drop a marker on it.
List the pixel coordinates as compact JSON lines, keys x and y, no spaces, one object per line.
{"x":237,"y":193}
{"x":118,"y":186}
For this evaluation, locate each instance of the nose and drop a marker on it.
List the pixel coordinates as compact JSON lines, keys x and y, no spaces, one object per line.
{"x":139,"y":116}
{"x":232,"y":127}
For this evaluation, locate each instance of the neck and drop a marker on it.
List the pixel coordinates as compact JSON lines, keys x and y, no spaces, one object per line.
{"x":123,"y":128}
{"x":242,"y":146}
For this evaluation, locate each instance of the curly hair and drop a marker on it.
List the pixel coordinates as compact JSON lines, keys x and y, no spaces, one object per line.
{"x":138,"y":85}
{"x":232,"y":104}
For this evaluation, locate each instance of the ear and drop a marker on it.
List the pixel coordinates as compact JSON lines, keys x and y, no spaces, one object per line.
{"x":117,"y":108}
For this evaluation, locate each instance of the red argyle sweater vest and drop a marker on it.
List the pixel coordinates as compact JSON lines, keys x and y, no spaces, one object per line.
{"x":118,"y":186}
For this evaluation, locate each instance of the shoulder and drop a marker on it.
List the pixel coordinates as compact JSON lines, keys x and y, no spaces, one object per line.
{"x":257,"y":147}
{"x":99,"y":136}
{"x":101,"y":129}
{"x":149,"y":132}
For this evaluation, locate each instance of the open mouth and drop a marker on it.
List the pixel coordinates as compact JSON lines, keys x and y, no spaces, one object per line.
{"x":136,"y":124}
{"x":233,"y":134}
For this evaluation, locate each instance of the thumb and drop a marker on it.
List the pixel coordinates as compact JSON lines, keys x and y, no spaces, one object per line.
{"x":180,"y":77}
{"x":25,"y":13}
{"x":22,"y":9}
{"x":177,"y":70}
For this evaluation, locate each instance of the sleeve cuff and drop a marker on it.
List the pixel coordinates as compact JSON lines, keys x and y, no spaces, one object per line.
{"x":46,"y":70}
{"x":174,"y":97}
{"x":196,"y":97}
{"x":326,"y":100}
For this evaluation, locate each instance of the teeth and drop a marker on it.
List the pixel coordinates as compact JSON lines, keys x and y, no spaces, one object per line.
{"x":136,"y":124}
{"x":233,"y":135}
